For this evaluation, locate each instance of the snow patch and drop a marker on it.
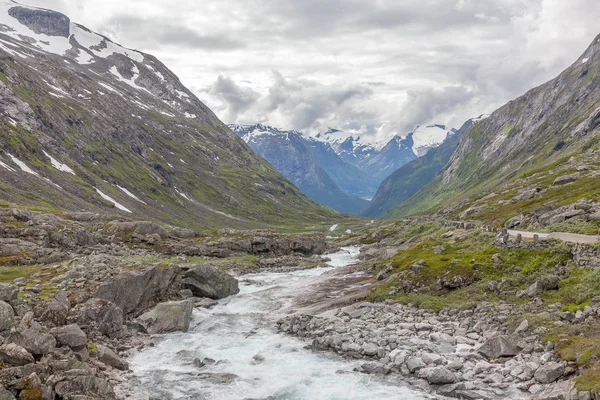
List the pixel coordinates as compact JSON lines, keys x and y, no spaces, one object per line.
{"x":333,"y":228}
{"x":58,"y":165}
{"x":22,"y":165}
{"x":7,"y":167}
{"x":108,"y":198}
{"x":133,"y":196}
{"x":183,"y":195}
{"x":585,"y":60}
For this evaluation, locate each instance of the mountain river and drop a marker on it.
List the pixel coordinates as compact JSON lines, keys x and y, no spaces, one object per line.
{"x":252,"y":360}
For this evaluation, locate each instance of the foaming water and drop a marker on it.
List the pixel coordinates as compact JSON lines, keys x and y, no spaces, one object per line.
{"x":253,"y":361}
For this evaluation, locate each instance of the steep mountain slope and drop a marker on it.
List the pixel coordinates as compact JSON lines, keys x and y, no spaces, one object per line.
{"x":553,"y":129}
{"x":88,"y":125}
{"x":410,"y":178}
{"x":301,"y":161}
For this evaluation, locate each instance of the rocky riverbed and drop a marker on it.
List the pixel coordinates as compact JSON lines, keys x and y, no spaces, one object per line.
{"x":463,"y":354}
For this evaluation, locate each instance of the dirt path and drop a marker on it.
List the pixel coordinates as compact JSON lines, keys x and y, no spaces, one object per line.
{"x":567,"y":237}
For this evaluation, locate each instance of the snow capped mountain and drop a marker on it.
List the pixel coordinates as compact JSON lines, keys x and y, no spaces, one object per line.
{"x":428,"y":137}
{"x":255,"y":133}
{"x":27,"y":32}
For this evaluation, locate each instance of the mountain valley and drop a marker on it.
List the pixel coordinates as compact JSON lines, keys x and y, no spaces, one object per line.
{"x":148,"y":250}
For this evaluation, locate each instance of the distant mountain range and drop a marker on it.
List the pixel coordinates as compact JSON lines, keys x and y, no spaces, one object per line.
{"x":337,"y":168}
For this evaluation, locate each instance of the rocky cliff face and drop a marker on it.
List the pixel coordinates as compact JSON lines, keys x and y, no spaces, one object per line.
{"x":550,"y":130}
{"x":88,"y":125}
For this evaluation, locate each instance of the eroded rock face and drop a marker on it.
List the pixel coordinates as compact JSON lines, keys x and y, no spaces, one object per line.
{"x":206,"y":281}
{"x":48,"y":22}
{"x":171,"y":316}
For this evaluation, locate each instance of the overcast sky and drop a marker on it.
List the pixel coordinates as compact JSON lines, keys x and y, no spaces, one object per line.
{"x":377,"y":66}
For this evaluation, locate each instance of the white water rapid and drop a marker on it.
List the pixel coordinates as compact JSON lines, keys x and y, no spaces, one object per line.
{"x":253,"y":361}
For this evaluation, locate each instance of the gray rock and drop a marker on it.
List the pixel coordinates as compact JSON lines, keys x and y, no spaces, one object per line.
{"x":7,"y":316}
{"x":32,"y":337}
{"x":8,"y":292}
{"x":104,"y":315}
{"x":84,"y":386}
{"x":205,"y":303}
{"x":54,"y":313}
{"x":370,"y":349}
{"x":71,"y":336}
{"x":167,"y":317}
{"x":206,"y":281}
{"x":109,"y":357}
{"x":14,"y":354}
{"x":5,"y":394}
{"x":563,"y":180}
{"x":549,"y":372}
{"x":499,"y":346}
{"x":439,"y":376}
{"x":523,"y":326}
{"x":414,"y":363}
{"x":133,"y":291}
{"x":219,"y":378}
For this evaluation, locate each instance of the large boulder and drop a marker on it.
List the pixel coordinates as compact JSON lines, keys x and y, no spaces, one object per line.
{"x":13,"y":354}
{"x":499,"y":346}
{"x":109,"y":357}
{"x":132,"y":291}
{"x":167,"y":317}
{"x":7,"y":316}
{"x":32,"y":336}
{"x":207,"y":281}
{"x":71,"y":336}
{"x":102,"y":314}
